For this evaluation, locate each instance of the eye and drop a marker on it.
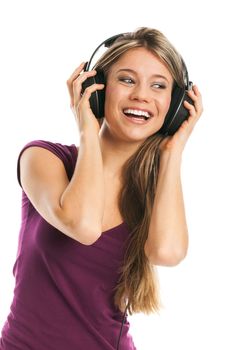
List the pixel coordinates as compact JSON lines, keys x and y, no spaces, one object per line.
{"x":158,"y":86}
{"x":126,"y":80}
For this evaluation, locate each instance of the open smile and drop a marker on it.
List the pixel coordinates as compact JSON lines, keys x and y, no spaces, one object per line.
{"x":137,"y":116}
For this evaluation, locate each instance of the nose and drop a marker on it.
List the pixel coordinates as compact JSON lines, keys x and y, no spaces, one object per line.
{"x":140,"y":93}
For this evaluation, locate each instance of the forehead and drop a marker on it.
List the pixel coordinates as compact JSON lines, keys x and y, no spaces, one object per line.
{"x":142,"y":61}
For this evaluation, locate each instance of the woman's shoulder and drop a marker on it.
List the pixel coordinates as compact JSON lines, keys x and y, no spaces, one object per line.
{"x":53,"y":146}
{"x":61,"y":150}
{"x":66,"y":153}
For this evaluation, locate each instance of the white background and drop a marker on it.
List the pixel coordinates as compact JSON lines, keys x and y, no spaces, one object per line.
{"x":41,"y":43}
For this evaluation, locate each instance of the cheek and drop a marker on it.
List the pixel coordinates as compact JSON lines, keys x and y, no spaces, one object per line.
{"x":113,"y":96}
{"x":110,"y":100}
{"x":163,"y":109}
{"x":110,"y":91}
{"x":165,"y":105}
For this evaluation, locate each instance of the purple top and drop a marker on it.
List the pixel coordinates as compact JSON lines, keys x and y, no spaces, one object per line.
{"x":63,"y":296}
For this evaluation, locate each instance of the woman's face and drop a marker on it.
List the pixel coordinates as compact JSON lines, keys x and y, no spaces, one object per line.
{"x":138,"y":95}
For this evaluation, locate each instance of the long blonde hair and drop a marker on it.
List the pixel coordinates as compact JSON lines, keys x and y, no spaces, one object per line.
{"x":138,"y":286}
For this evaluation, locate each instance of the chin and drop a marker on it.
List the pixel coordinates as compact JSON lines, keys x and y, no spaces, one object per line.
{"x":136,"y":138}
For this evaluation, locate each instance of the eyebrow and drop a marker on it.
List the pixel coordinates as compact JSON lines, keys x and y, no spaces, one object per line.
{"x":132,"y":71}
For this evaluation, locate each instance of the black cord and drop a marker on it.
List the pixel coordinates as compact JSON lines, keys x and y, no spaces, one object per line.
{"x":122,"y":323}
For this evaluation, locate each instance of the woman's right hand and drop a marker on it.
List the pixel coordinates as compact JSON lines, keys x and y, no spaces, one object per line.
{"x":79,"y":102}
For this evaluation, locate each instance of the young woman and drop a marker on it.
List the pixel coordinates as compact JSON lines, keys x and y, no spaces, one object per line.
{"x":97,"y":218}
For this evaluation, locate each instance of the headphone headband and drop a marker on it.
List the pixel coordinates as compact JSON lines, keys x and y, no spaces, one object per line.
{"x":107,"y":43}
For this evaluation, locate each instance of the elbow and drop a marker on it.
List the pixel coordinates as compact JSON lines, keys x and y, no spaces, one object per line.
{"x":164,"y":256}
{"x":170,"y":257}
{"x":84,"y":233}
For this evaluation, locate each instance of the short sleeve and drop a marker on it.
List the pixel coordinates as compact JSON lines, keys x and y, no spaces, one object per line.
{"x":67,"y":154}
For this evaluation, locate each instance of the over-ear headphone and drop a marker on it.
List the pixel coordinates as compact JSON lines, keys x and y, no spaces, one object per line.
{"x":176,"y":114}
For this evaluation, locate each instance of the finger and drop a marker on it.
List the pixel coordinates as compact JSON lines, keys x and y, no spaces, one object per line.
{"x":190,"y":107}
{"x":196,"y":90}
{"x":82,"y":77}
{"x":69,"y":82}
{"x":74,"y":76}
{"x":77,"y":85}
{"x":192,"y":119}
{"x":195,"y":95}
{"x":76,"y":73}
{"x":198,"y":103}
{"x":192,"y":94}
{"x":90,"y":89}
{"x":87,"y":93}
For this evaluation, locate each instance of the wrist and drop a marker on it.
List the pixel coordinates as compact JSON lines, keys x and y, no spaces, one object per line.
{"x":89,"y":135}
{"x":173,"y":157}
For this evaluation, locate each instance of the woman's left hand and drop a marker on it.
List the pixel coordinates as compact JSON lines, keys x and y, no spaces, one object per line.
{"x":177,"y":142}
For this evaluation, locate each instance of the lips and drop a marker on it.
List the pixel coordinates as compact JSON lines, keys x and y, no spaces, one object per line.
{"x":138,"y":116}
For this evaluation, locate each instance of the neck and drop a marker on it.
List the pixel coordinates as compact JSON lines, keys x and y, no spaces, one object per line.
{"x":115,"y":153}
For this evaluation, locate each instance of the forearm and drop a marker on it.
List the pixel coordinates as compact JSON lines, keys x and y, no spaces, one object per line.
{"x":82,"y":202}
{"x":168,"y":235}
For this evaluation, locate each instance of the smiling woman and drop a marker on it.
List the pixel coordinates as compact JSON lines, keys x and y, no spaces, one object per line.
{"x":97,"y":218}
{"x":134,"y":91}
{"x":142,"y":71}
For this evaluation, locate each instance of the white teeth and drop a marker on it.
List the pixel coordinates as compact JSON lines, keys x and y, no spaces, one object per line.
{"x":137,"y":112}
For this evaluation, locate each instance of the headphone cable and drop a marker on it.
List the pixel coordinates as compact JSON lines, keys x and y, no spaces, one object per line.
{"x":122,"y":323}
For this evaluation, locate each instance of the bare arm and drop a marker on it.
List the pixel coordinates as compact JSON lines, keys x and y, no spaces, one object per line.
{"x":83,"y":199}
{"x":75,"y":207}
{"x":167,"y":241}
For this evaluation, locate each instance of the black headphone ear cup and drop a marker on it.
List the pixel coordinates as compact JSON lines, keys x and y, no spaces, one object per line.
{"x":97,"y":98}
{"x":177,"y":113}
